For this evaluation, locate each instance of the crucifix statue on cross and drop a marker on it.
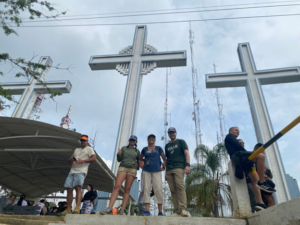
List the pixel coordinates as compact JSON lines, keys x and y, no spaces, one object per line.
{"x":252,"y":79}
{"x":31,"y":90}
{"x":134,"y":61}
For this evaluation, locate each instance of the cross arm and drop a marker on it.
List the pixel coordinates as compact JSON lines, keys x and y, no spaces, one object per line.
{"x":14,"y":88}
{"x":278,"y":76}
{"x":62,"y":86}
{"x":166,"y":59}
{"x":218,"y":80}
{"x":108,"y":62}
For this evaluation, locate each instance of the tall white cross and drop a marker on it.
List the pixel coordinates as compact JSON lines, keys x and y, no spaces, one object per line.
{"x":252,"y":79}
{"x":134,"y":61}
{"x":29,"y":91}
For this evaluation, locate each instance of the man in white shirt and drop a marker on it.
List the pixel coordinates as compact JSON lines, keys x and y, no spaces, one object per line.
{"x":80,"y":160}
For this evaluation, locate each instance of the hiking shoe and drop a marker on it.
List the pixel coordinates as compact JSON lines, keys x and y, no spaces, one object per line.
{"x":265,"y":187}
{"x":260,"y":206}
{"x":122,"y":213}
{"x":76,"y":210}
{"x":147,"y":213}
{"x":107,"y":211}
{"x":160,"y":214}
{"x":65,"y":212}
{"x":175,"y":215}
{"x":185,"y":213}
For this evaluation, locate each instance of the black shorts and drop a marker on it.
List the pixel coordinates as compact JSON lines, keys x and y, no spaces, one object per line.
{"x":241,"y":159}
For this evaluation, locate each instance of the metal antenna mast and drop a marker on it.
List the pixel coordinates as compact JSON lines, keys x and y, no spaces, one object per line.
{"x":168,"y":73}
{"x":196,"y":101}
{"x":220,"y":107}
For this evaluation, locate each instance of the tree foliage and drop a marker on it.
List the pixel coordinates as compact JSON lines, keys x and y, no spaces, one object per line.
{"x":205,"y":186}
{"x":12,"y":13}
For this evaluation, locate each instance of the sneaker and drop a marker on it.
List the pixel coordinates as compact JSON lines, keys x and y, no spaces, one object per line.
{"x":260,"y":206}
{"x":185,"y":213}
{"x":76,"y":210}
{"x":265,"y":187}
{"x":107,"y":211}
{"x":160,"y":214}
{"x":65,"y":212}
{"x":147,"y":213}
{"x":122,"y":213}
{"x":175,"y":215}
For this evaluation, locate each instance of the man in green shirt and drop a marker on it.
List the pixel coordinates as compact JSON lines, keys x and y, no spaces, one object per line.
{"x":178,"y":164}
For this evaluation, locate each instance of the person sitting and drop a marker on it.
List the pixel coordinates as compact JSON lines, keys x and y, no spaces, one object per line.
{"x":47,"y":207}
{"x":42,"y":209}
{"x":54,"y":209}
{"x":88,"y":198}
{"x":267,"y":197}
{"x":239,"y":157}
{"x":12,"y":199}
{"x":21,"y":201}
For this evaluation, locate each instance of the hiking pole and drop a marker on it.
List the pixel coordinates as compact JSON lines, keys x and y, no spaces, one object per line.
{"x":275,"y":138}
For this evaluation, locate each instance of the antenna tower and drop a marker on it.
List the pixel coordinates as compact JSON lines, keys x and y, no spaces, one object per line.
{"x":168,"y":73}
{"x":220,"y":107}
{"x":196,"y":101}
{"x":65,"y":121}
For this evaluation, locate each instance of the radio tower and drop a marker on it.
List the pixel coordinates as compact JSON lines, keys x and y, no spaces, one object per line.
{"x":65,"y":121}
{"x":220,"y":107}
{"x":196,"y":101}
{"x":168,"y":73}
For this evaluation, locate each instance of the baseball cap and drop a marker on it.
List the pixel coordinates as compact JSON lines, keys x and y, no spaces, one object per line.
{"x":84,"y":137}
{"x":171,"y":129}
{"x":133,"y":137}
{"x":151,"y":135}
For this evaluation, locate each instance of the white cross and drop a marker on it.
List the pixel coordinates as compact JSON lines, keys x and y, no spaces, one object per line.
{"x":30,"y":90}
{"x":252,"y":79}
{"x":134,"y":61}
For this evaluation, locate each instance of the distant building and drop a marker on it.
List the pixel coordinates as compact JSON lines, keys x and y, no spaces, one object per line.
{"x":292,"y":186}
{"x":134,"y":191}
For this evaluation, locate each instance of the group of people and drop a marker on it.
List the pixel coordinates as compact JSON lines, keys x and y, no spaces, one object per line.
{"x":175,"y":160}
{"x":260,"y":185}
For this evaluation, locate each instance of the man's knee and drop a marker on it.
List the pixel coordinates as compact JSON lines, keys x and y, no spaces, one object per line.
{"x":117,"y":187}
{"x":78,"y":188}
{"x":69,"y":190}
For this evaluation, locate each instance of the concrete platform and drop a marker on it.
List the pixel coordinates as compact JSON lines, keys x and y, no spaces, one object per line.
{"x":152,"y":220}
{"x":30,"y":220}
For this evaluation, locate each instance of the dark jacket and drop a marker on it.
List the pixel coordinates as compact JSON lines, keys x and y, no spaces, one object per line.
{"x":232,"y":145}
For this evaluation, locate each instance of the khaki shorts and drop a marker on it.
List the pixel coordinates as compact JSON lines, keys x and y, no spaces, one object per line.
{"x":127,"y":171}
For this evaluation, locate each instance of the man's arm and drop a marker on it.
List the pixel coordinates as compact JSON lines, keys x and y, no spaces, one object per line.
{"x":187,"y":160}
{"x":141,"y":162}
{"x":43,"y":210}
{"x":90,"y":160}
{"x":71,"y":160}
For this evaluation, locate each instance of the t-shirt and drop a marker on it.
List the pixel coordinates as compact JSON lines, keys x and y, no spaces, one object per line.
{"x":175,"y":154}
{"x":82,"y":154}
{"x":41,"y":205}
{"x":129,"y":157}
{"x":24,"y":203}
{"x":232,"y":145}
{"x":154,"y":156}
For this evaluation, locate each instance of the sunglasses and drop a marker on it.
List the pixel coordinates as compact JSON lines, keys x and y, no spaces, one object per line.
{"x":152,"y":138}
{"x":242,"y":143}
{"x":83,"y":140}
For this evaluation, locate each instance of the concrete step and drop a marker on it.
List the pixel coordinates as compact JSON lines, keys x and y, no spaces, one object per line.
{"x":30,"y":220}
{"x":151,"y":220}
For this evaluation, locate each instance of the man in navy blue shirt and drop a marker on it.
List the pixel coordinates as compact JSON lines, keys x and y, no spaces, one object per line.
{"x":239,"y":157}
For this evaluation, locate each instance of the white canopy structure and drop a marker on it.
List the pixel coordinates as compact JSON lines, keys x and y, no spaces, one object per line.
{"x":34,"y":158}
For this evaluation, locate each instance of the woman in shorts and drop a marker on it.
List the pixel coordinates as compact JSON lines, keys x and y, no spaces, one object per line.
{"x":128,"y":157}
{"x":151,"y":176}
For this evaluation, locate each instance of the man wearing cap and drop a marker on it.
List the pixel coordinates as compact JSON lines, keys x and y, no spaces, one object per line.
{"x":178,"y":164}
{"x":80,"y":160}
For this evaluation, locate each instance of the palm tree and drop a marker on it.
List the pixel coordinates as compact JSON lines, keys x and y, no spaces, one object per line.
{"x":205,"y":184}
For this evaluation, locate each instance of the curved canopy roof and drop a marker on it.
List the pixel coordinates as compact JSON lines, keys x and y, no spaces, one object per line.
{"x":34,"y":158}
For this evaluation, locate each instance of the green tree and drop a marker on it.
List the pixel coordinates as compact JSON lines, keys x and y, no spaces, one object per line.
{"x":205,"y":185}
{"x":12,"y":13}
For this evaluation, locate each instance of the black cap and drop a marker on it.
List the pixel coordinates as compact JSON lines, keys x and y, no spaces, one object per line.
{"x":133,"y":137}
{"x":171,"y":129}
{"x":151,"y":135}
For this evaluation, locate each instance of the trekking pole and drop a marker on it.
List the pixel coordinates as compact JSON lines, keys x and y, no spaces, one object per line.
{"x":275,"y":138}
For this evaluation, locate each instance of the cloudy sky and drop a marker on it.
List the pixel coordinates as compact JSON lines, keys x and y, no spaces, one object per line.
{"x":97,"y":96}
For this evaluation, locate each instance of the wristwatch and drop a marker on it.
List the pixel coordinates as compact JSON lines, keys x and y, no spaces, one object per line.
{"x":188,"y":164}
